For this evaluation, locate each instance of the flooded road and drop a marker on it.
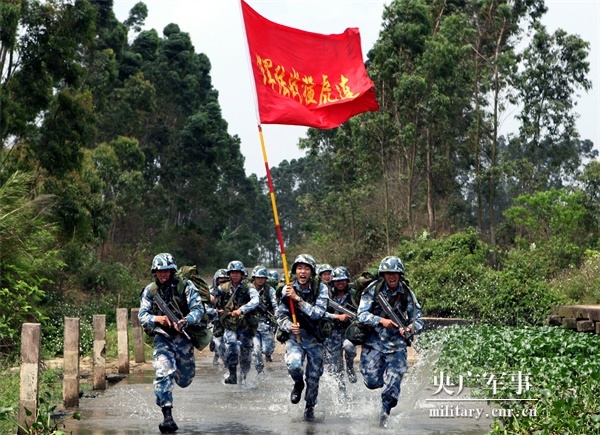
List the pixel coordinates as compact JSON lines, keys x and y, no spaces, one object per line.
{"x":262,"y":405}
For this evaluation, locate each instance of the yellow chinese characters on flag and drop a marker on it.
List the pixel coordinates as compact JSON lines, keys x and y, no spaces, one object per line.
{"x":305,"y":78}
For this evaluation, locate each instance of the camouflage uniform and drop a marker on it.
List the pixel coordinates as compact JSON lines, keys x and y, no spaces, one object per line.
{"x":239,"y":333}
{"x":173,"y":357}
{"x":264,"y":340}
{"x":339,"y":347}
{"x":217,"y":328}
{"x":383,"y":355}
{"x":313,"y":307}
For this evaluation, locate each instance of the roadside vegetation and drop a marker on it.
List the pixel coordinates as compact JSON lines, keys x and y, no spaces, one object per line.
{"x":559,"y":369}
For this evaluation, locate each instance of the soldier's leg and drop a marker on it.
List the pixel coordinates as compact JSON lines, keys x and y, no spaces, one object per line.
{"x":246,"y":341}
{"x":268,"y":342}
{"x":256,"y":352}
{"x":294,"y":360}
{"x":350,"y":355}
{"x":232,"y":354}
{"x":185,"y":362}
{"x":372,"y":366}
{"x":218,"y":349}
{"x":396,"y":366}
{"x":163,"y":361}
{"x":314,"y":369}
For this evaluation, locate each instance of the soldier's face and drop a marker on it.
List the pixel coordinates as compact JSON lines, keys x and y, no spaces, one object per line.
{"x":259,"y":281}
{"x":303,"y":273}
{"x":392,"y":279}
{"x":340,"y":285}
{"x":326,"y":276}
{"x":163,"y":275}
{"x":236,"y":276}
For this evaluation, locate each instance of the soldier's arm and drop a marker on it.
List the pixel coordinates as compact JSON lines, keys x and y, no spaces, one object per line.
{"x":364,"y":309}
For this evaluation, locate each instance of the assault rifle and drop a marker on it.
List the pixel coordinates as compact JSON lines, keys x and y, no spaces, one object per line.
{"x":162,"y":306}
{"x":270,"y":316}
{"x":341,"y":309}
{"x":396,"y":316}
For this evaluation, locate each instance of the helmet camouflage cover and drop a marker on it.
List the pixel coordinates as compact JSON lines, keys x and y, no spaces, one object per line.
{"x":260,"y":272}
{"x":324,"y":268}
{"x":236,"y":266}
{"x":305,"y":259}
{"x":163,"y":261}
{"x":391,"y":264}
{"x":340,"y":274}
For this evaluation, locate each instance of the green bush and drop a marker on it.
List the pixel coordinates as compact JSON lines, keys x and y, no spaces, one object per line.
{"x":580,"y":285}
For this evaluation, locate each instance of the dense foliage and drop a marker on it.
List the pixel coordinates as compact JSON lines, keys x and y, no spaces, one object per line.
{"x":561,"y":368}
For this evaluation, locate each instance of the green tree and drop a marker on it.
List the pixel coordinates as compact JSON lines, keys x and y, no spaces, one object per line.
{"x":547,"y":152}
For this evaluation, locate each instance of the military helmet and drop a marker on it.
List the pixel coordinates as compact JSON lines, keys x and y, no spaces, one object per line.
{"x":260,"y":272}
{"x":345,"y":269}
{"x":305,"y":259}
{"x":273,"y":275}
{"x":340,"y":274}
{"x":391,"y":264}
{"x":221,"y":273}
{"x":163,"y":261}
{"x":236,"y":265}
{"x":324,"y":268}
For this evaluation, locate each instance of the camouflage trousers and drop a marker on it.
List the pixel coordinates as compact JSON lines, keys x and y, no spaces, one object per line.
{"x":173,"y":360}
{"x":219,"y":347}
{"x":295,"y":354}
{"x":238,"y":349}
{"x":338,"y":350}
{"x":383,"y":370}
{"x":264,"y":343}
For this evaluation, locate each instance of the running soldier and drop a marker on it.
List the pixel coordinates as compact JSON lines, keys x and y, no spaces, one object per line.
{"x":339,"y":347}
{"x":173,"y":357}
{"x":305,"y":341}
{"x":217,"y":344}
{"x":264,"y":340}
{"x":383,"y":355}
{"x":240,"y":320}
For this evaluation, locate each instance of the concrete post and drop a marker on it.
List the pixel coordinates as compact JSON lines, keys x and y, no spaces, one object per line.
{"x":138,"y":337}
{"x":71,"y":362}
{"x":123,"y":341}
{"x":30,"y":372}
{"x":99,"y":358}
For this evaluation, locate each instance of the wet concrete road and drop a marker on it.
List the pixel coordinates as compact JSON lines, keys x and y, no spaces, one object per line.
{"x":262,"y":406}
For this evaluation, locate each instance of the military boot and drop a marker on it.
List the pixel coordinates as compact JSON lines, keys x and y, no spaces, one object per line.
{"x":309,"y":413}
{"x":232,"y":378}
{"x":384,"y":418}
{"x":168,"y":425}
{"x":351,"y":373}
{"x":268,"y":358}
{"x":297,"y":392}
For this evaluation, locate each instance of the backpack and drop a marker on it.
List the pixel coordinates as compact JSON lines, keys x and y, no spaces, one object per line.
{"x":361,"y":283}
{"x":191,"y":273}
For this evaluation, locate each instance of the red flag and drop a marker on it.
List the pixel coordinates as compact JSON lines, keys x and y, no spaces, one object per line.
{"x":305,"y":78}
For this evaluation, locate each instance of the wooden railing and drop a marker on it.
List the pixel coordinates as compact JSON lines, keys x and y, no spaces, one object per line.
{"x":30,"y":359}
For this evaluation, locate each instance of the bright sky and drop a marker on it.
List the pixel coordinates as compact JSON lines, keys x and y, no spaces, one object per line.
{"x":215,"y":27}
